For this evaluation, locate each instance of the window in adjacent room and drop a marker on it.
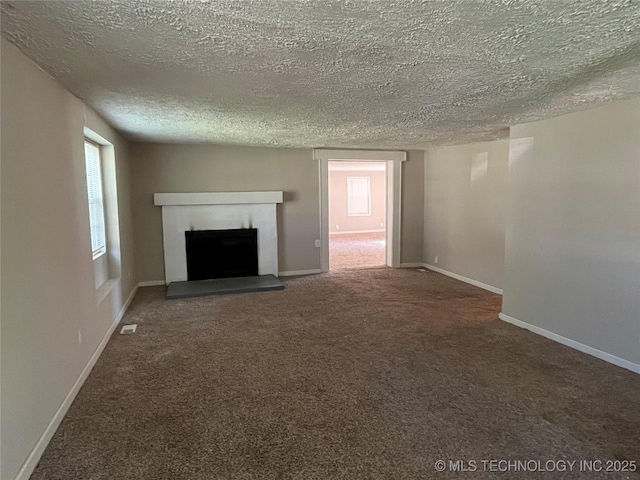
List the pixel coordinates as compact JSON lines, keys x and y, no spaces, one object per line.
{"x":359,"y":196}
{"x":96,"y":199}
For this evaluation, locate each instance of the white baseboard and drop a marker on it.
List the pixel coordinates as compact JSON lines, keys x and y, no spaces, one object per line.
{"x":151,"y":283}
{"x":355,"y":232}
{"x":34,"y":457}
{"x":292,"y":273}
{"x":471,"y":281}
{"x":411,"y":265}
{"x":607,"y":357}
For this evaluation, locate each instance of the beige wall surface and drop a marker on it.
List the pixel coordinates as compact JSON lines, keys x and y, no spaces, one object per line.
{"x":48,"y":292}
{"x":174,"y":168}
{"x":412,"y":203}
{"x":572,"y":262}
{"x":164,"y":168}
{"x":339,"y":220}
{"x":465,"y":194}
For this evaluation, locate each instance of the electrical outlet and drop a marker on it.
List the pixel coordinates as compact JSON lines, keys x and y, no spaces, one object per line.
{"x":436,"y":259}
{"x":381,"y":224}
{"x":79,"y":337}
{"x":337,"y":227}
{"x":318,"y":243}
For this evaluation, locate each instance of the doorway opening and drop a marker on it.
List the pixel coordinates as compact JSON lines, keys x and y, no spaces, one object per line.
{"x":357,"y":214}
{"x":392,"y":161}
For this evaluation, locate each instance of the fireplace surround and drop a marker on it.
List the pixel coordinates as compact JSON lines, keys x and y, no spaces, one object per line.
{"x":184,"y":212}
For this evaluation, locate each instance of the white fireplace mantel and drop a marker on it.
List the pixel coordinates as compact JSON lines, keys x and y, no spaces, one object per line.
{"x":216,"y":198}
{"x":182,"y":212}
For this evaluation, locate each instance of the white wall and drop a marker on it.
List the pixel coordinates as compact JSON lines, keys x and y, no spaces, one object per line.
{"x":572,"y":264}
{"x":48,"y":292}
{"x":464,"y":210}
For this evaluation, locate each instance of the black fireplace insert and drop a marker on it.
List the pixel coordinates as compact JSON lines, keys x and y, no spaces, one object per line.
{"x":222,"y":253}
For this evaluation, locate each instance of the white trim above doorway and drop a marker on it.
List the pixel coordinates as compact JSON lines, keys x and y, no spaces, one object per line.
{"x":394,"y":160}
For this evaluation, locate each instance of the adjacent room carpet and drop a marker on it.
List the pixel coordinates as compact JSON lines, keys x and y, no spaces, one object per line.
{"x":368,"y":374}
{"x":361,"y":250}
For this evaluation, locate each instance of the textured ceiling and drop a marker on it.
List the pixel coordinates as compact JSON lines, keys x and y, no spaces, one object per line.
{"x":310,"y":73}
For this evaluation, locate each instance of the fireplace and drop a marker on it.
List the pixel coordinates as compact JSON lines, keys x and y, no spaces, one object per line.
{"x":221,"y":253}
{"x":194,"y":212}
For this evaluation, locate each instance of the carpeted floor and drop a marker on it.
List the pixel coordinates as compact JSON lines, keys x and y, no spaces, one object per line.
{"x":369,"y":374}
{"x":360,"y":250}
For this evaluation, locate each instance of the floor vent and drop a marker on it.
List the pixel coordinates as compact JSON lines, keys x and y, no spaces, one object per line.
{"x":128,"y":329}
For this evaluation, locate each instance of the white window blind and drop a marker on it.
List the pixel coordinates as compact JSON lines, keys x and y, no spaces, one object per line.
{"x":358,"y":196}
{"x":96,"y":199}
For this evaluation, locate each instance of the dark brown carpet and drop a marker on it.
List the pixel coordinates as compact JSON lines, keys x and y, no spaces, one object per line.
{"x":360,"y":250}
{"x":370,"y":374}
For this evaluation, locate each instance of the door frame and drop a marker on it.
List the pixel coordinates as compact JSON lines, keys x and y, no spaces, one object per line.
{"x":394,"y":160}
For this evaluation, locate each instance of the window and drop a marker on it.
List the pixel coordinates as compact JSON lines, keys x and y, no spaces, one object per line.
{"x":96,"y":199}
{"x":359,"y":196}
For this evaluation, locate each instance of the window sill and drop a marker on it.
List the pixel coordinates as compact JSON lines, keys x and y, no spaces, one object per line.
{"x":105,"y":289}
{"x":98,"y":254}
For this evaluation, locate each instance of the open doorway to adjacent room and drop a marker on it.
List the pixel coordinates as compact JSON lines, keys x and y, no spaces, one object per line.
{"x":357,"y":214}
